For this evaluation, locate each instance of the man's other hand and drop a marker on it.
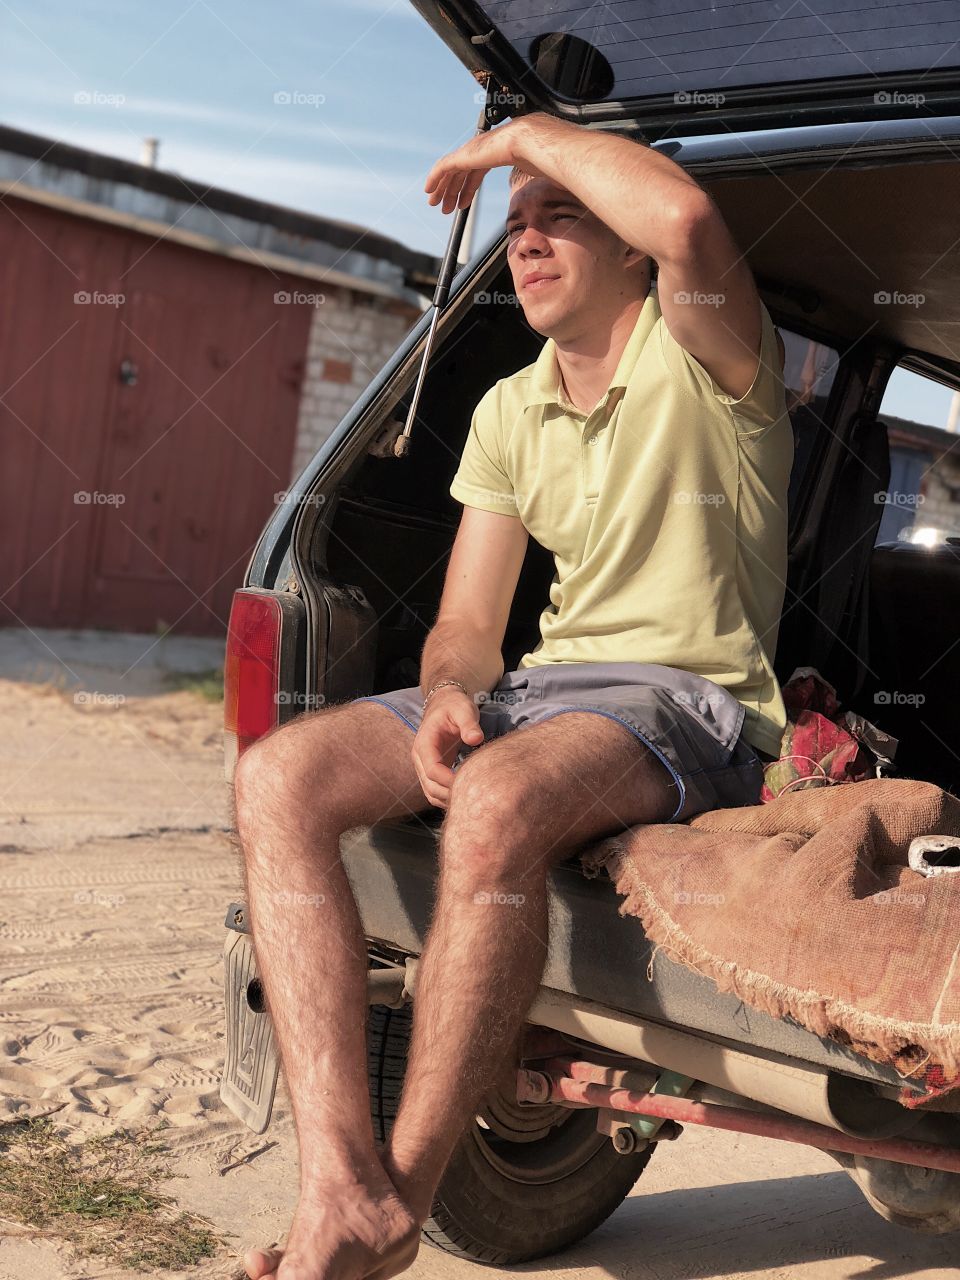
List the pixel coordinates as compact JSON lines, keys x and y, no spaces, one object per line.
{"x":450,"y":721}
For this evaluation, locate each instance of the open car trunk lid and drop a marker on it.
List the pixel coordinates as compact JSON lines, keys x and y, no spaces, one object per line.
{"x":705,"y":68}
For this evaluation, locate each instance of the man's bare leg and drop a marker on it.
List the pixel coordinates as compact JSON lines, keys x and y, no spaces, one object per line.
{"x":518,"y":805}
{"x":297,"y":791}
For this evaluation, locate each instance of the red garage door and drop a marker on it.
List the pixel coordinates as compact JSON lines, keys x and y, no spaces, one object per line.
{"x":149,"y":405}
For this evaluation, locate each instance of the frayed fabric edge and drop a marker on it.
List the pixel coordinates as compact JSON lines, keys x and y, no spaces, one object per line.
{"x":910,"y":1047}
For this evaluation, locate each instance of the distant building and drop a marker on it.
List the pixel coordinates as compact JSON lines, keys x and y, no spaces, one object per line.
{"x":171,"y":354}
{"x":924,"y":490}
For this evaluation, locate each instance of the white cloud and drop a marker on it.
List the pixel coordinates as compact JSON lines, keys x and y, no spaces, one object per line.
{"x":258,"y":113}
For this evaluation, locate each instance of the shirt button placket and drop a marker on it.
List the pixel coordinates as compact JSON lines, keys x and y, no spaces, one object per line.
{"x":592,"y":456}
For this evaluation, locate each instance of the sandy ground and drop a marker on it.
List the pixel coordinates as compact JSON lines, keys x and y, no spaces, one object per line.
{"x":115,"y":872}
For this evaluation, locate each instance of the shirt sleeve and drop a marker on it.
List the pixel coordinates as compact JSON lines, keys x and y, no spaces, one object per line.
{"x":760,"y":406}
{"x":482,"y":479}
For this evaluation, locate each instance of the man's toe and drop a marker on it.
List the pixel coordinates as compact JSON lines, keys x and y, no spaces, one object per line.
{"x":261,"y":1263}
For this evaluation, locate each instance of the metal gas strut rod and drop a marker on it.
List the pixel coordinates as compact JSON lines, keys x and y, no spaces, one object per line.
{"x":491,"y":114}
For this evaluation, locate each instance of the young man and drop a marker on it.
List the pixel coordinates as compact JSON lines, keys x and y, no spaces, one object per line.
{"x":648,"y":448}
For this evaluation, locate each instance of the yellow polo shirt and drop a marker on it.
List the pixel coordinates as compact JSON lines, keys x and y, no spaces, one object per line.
{"x":665,"y":509}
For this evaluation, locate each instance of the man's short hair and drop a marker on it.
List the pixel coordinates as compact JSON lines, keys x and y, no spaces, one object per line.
{"x":517,"y":174}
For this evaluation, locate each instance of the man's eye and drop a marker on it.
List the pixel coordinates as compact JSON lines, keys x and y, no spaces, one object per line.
{"x":514,"y":230}
{"x":557,"y":216}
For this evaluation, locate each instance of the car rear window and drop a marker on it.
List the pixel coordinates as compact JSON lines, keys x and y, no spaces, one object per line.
{"x":655,"y":47}
{"x":922,"y":503}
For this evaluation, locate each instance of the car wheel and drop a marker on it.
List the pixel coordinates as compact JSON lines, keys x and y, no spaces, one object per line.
{"x":523,"y":1182}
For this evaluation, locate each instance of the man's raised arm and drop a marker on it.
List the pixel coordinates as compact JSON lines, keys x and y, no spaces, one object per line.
{"x":706,"y":291}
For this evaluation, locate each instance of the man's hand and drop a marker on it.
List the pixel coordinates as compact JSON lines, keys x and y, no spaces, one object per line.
{"x":451,"y":719}
{"x":455,"y":179}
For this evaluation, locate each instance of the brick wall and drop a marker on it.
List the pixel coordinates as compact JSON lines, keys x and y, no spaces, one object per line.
{"x":351,"y":337}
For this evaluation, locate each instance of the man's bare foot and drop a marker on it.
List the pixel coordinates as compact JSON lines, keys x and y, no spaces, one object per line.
{"x":359,"y":1238}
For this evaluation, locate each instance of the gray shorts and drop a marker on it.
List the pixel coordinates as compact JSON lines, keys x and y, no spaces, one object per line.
{"x":691,"y":724}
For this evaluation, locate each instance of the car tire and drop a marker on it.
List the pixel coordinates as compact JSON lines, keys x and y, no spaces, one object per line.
{"x":500,"y":1201}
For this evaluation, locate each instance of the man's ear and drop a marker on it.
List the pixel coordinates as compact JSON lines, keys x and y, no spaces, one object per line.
{"x":635,"y":260}
{"x":641,"y":273}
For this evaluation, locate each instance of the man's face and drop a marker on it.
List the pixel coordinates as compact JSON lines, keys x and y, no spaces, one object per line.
{"x":568,"y":267}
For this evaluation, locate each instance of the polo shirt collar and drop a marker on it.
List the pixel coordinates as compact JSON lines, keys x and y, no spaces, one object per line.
{"x":544,"y":384}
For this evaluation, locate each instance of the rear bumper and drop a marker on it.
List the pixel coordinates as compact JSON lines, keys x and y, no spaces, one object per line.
{"x":594,"y":953}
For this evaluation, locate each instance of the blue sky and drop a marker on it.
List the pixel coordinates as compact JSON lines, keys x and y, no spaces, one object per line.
{"x":374,"y":98}
{"x":375,"y":95}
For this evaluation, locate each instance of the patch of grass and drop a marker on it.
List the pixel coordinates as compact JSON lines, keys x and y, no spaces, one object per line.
{"x":205,"y":684}
{"x":100,"y":1195}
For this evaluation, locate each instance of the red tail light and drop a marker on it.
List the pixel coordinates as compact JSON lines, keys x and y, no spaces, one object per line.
{"x":260,"y":666}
